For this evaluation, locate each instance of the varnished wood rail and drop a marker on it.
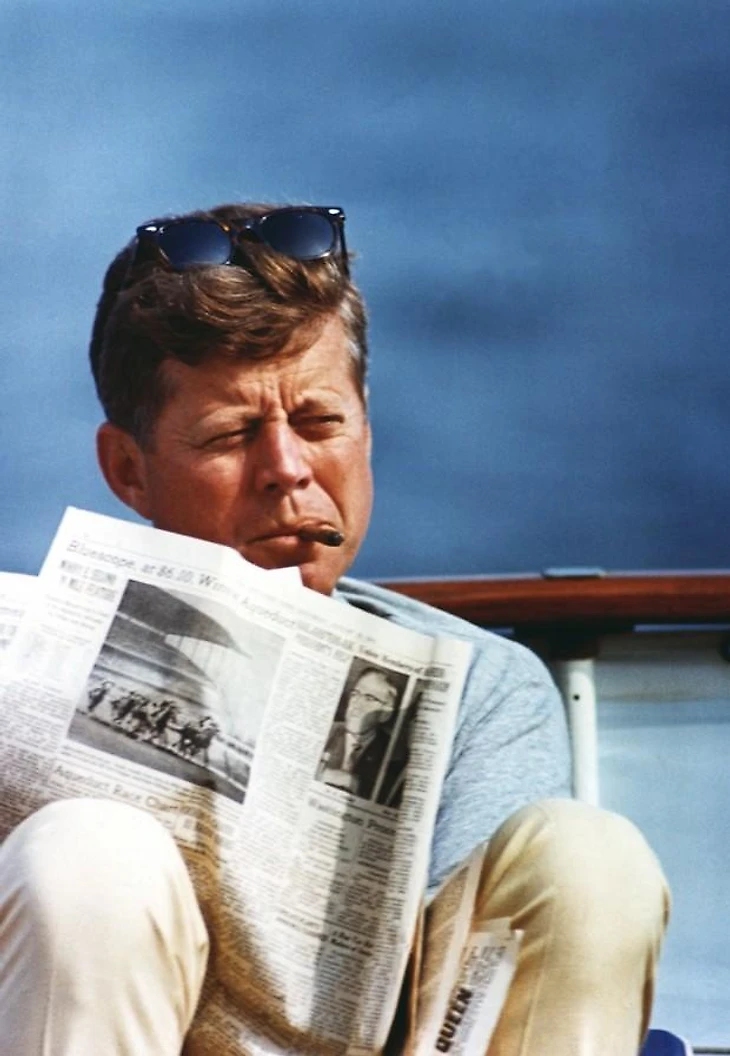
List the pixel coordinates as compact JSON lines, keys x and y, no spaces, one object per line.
{"x":574,"y":599}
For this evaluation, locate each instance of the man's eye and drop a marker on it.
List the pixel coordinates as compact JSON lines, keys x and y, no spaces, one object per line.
{"x":319,"y":422}
{"x":233,"y":437}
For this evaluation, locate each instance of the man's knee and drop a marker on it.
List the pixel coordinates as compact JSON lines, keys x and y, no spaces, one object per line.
{"x":102,"y":943}
{"x":593,"y":863}
{"x":91,"y":867}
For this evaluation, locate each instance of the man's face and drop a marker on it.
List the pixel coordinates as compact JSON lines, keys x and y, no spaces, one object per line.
{"x":245,"y":452}
{"x":370,"y":703}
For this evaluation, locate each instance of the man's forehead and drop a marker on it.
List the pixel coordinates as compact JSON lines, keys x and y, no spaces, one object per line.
{"x":376,"y":678}
{"x":321,"y":369}
{"x":219,"y":372}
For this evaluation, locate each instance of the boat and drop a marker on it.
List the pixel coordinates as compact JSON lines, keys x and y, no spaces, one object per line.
{"x":643,"y":664}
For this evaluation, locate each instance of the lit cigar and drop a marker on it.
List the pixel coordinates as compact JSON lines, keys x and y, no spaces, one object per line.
{"x":321,"y":533}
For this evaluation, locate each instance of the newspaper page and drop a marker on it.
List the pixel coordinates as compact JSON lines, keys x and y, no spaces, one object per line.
{"x":467,"y":966}
{"x":488,"y":965}
{"x":15,"y":592}
{"x":169,"y":674}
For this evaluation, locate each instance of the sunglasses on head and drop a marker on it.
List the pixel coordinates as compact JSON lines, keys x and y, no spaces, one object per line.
{"x":303,"y":232}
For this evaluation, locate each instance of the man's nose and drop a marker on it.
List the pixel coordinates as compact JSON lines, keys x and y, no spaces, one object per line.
{"x":281,"y":459}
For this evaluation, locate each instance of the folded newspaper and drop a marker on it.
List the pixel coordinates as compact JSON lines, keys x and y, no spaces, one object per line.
{"x":169,"y":673}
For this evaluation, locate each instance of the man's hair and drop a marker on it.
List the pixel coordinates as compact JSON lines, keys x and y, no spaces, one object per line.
{"x":149,"y":312}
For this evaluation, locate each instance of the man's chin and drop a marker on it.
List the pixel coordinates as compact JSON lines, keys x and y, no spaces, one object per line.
{"x":291,"y":553}
{"x":282,"y":551}
{"x":319,"y":579}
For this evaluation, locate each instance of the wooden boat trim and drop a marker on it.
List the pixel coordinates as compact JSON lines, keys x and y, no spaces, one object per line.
{"x":576,"y":598}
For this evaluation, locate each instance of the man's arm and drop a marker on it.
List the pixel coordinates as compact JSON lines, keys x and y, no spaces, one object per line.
{"x":511,"y":748}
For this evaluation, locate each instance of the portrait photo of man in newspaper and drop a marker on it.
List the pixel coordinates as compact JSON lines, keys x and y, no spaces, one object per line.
{"x":229,"y":351}
{"x":367,"y":748}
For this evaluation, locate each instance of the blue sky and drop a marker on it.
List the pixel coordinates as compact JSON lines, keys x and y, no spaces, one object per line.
{"x":539,"y":196}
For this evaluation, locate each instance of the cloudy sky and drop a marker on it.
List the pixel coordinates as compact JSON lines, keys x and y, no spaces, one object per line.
{"x":538,"y":192}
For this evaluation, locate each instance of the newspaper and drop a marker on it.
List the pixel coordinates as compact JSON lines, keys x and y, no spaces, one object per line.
{"x":15,"y":594}
{"x":170,"y":674}
{"x":467,"y":964}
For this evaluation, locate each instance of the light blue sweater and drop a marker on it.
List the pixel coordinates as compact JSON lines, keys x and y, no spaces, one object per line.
{"x":511,"y":743}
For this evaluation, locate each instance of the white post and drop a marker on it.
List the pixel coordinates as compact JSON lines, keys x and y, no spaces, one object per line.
{"x":577,"y":684}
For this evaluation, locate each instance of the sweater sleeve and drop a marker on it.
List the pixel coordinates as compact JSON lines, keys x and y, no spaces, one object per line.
{"x":511,"y":748}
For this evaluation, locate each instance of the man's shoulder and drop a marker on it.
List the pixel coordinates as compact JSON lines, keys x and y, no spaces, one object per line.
{"x":408,"y":612}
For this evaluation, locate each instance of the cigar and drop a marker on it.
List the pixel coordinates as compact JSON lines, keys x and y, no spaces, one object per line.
{"x":321,"y":533}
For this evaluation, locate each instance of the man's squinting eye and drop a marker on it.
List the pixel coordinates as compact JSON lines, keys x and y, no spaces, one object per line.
{"x":241,"y":435}
{"x":307,"y":424}
{"x":317,"y":423}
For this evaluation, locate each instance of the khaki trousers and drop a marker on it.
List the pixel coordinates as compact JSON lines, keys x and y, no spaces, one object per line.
{"x":103,"y":948}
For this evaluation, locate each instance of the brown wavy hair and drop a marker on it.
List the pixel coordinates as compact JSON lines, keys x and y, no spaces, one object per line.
{"x":272,"y":305}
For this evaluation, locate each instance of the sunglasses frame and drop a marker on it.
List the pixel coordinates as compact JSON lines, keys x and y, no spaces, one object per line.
{"x":250,"y":229}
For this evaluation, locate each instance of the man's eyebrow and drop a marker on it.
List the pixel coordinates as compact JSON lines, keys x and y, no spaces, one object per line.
{"x":241,"y":410}
{"x":317,"y":398}
{"x":233,"y":414}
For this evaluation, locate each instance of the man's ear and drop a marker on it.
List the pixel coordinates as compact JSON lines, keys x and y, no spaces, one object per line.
{"x":124,"y":466}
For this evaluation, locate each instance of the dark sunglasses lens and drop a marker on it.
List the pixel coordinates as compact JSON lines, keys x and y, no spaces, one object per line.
{"x":302,"y":235}
{"x":195,"y":242}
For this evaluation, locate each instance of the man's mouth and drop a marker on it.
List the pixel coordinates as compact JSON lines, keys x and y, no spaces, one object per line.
{"x":312,"y":531}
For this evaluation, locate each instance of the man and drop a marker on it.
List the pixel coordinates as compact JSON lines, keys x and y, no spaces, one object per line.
{"x":230,"y":357}
{"x":358,"y":756}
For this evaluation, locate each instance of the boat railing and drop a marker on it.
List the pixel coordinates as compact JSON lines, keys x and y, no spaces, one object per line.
{"x":563,"y":599}
{"x":565,"y":613}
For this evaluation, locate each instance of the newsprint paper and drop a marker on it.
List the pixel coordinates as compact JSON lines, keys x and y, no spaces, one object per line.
{"x":170,"y":674}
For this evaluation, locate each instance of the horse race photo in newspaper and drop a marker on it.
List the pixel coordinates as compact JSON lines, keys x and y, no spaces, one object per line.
{"x":167,"y":687}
